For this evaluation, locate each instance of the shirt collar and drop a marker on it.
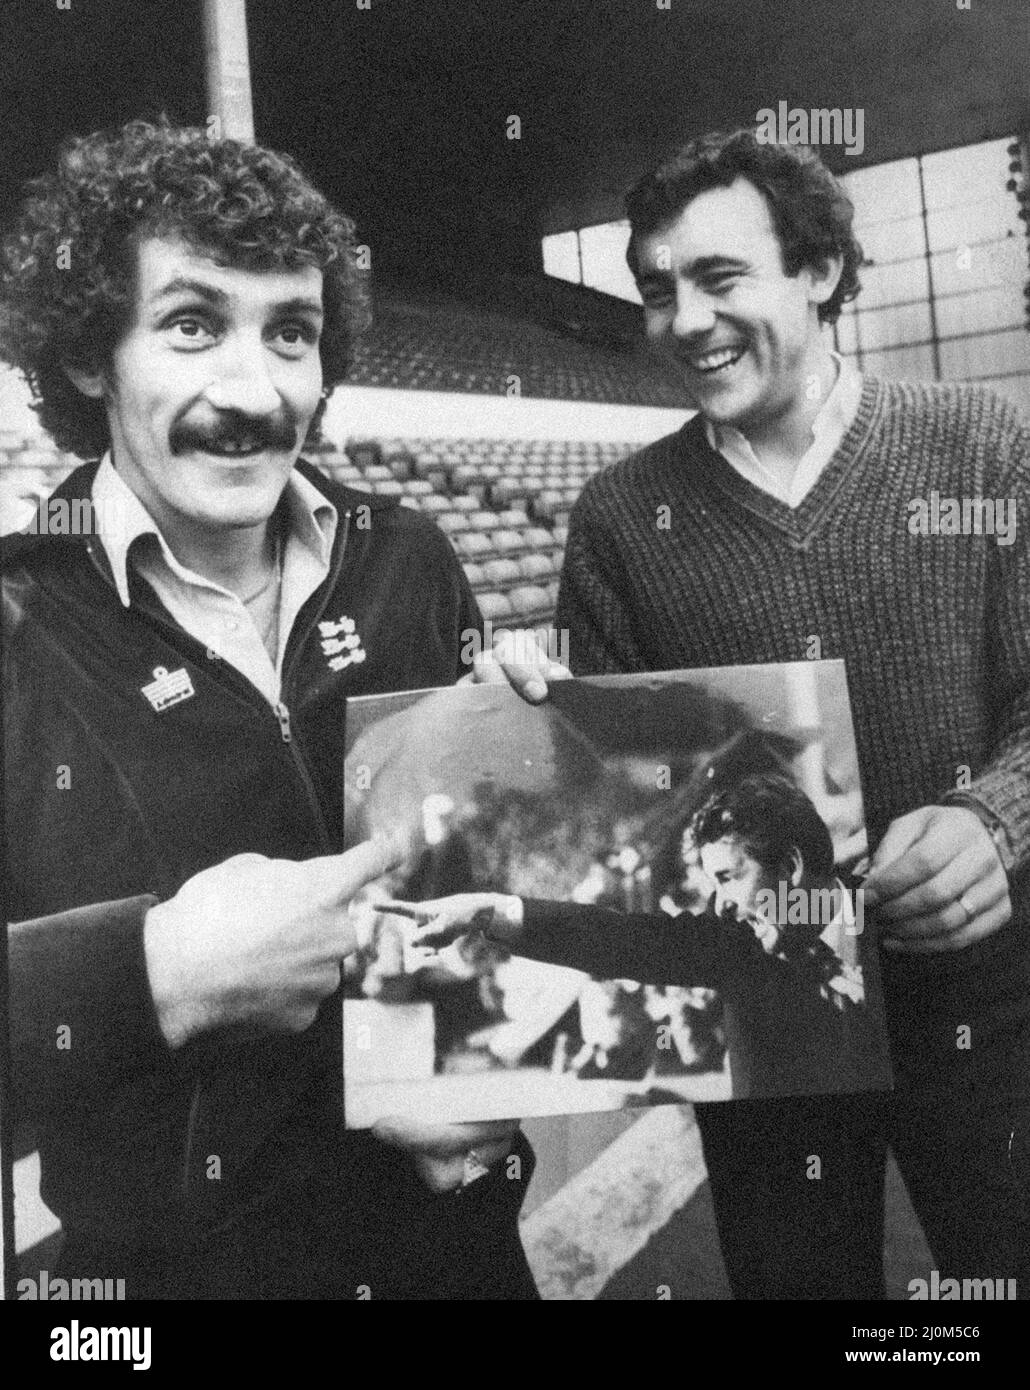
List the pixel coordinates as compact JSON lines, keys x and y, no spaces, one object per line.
{"x":312,"y":517}
{"x":121,"y":519}
{"x":835,"y":414}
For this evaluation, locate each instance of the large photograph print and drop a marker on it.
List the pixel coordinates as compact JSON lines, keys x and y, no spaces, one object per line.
{"x":688,"y":850}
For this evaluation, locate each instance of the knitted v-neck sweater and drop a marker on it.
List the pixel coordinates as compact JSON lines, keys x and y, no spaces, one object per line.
{"x":674,"y":560}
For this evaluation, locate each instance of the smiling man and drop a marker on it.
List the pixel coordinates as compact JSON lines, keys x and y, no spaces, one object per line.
{"x":736,"y":325}
{"x":213,"y":386}
{"x":789,"y":495}
{"x":175,"y":681}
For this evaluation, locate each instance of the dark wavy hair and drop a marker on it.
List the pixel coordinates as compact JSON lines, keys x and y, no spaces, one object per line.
{"x":810,"y":211}
{"x":770,"y":816}
{"x":68,"y":268}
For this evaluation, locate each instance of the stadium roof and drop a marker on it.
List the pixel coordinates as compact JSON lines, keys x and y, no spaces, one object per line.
{"x":402,"y":106}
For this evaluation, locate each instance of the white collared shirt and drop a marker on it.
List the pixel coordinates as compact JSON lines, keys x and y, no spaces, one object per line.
{"x":212,"y":614}
{"x":828,"y":429}
{"x":844,"y":919}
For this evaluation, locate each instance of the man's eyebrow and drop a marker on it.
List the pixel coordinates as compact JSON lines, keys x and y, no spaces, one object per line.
{"x":704,"y":264}
{"x":183,"y":285}
{"x":300,"y":304}
{"x":199,"y":289}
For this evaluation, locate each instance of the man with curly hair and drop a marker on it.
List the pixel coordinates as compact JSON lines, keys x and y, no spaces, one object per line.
{"x":175,"y":677}
{"x":775,"y":526}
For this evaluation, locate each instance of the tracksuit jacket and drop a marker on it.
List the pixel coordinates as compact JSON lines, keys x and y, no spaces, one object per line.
{"x":135,"y":758}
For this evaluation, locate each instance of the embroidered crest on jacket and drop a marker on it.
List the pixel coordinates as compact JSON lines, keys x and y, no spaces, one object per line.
{"x":341,"y":644}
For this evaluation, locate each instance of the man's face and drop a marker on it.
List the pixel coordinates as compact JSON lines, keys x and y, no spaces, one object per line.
{"x":213,"y":385}
{"x":737,"y":877}
{"x":719,"y":307}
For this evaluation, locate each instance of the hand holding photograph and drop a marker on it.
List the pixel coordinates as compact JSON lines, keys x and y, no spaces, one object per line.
{"x":644,"y":891}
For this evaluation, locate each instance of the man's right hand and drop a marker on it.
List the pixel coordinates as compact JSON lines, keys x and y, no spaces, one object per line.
{"x":256,"y":942}
{"x":442,"y":920}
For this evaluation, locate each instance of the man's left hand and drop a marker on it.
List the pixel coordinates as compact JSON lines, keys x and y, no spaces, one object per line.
{"x":518,"y":657}
{"x":440,"y":1151}
{"x":937,"y":882}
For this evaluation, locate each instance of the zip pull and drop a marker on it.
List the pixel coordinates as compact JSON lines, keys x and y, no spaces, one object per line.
{"x":283,"y":715}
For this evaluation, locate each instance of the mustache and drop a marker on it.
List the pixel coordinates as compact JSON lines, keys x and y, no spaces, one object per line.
{"x":266,"y":431}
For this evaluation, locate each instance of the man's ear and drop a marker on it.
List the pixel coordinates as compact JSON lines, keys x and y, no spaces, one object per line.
{"x":824,"y":278}
{"x":795,"y":868}
{"x":86,"y":379}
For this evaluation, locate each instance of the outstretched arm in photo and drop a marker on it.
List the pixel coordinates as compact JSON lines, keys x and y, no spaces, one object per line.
{"x":652,"y":948}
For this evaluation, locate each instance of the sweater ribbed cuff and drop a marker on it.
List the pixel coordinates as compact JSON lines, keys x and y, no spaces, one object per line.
{"x":991,"y":812}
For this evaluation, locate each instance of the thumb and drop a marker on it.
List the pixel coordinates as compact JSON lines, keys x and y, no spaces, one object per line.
{"x":901,"y":835}
{"x":887,"y":876}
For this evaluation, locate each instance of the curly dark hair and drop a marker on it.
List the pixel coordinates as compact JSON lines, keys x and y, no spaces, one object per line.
{"x":770,"y":816}
{"x":811,"y":213}
{"x":67,"y":272}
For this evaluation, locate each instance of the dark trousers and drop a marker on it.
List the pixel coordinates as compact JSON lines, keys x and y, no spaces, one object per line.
{"x":798,"y":1184}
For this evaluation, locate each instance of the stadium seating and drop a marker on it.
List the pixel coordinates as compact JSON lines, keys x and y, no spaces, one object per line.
{"x":503,"y":503}
{"x":455,"y":347}
{"x":30,"y":468}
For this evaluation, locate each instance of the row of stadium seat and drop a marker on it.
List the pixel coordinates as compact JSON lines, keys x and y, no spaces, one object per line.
{"x":526,"y":606}
{"x":511,"y":561}
{"x":484,"y":471}
{"x":506,"y":518}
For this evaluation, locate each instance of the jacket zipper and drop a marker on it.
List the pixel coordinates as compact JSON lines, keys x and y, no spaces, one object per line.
{"x":282,"y":714}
